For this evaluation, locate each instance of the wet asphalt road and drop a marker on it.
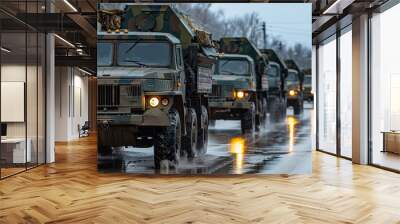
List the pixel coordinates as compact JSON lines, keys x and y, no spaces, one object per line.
{"x":280,"y":147}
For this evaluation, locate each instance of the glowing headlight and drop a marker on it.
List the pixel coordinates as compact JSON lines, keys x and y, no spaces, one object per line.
{"x":154,"y":101}
{"x":240,"y":94}
{"x":292,"y":92}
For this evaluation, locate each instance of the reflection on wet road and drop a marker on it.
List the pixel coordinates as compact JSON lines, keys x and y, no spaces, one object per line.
{"x":282,"y":147}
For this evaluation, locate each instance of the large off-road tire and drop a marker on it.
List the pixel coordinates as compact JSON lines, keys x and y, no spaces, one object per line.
{"x":284,"y":108}
{"x":167,"y":142}
{"x":248,"y":122}
{"x":102,"y":148}
{"x":189,"y":142}
{"x":262,"y":113}
{"x":297,"y":108}
{"x":211,"y":123}
{"x":202,"y":139}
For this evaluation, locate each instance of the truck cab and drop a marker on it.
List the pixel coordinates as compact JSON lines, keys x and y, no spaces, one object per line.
{"x":154,"y":74}
{"x":276,"y":75}
{"x":295,"y":93}
{"x":243,"y":46}
{"x":234,"y":82}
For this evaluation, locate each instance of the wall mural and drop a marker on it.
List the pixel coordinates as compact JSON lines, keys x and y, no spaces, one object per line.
{"x":192,"y":89}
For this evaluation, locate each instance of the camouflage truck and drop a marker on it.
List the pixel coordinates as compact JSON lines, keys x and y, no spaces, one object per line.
{"x":308,"y":93}
{"x":294,"y":82}
{"x":276,"y":73}
{"x":234,"y":82}
{"x":242,"y":46}
{"x":154,"y":71}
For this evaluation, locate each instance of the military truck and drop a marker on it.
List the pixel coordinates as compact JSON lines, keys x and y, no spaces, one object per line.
{"x":241,"y":45}
{"x":234,"y":83}
{"x":154,"y":72}
{"x":294,"y":82}
{"x":308,"y":93}
{"x":276,"y":73}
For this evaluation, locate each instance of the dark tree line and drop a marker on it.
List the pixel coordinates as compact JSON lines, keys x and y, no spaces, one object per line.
{"x":248,"y":25}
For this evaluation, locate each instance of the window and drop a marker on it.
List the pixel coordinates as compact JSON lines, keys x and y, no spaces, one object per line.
{"x":233,"y":67}
{"x":385,"y":89}
{"x":179,"y":56}
{"x":144,"y":54}
{"x":104,"y":54}
{"x":327,"y":96}
{"x":346,"y":94}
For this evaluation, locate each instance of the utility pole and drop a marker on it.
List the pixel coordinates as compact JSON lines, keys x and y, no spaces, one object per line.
{"x":264,"y":34}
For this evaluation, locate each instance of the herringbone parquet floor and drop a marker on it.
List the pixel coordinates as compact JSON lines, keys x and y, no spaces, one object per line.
{"x":72,"y":191}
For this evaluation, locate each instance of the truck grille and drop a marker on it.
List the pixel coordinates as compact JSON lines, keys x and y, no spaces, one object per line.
{"x":134,"y":90}
{"x":216,"y":90}
{"x":222,"y":91}
{"x":108,"y":96}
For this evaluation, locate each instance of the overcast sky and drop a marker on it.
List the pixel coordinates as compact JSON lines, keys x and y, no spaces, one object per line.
{"x":289,"y":21}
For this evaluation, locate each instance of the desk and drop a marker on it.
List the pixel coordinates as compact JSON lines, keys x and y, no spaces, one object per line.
{"x":13,"y":150}
{"x":391,"y":141}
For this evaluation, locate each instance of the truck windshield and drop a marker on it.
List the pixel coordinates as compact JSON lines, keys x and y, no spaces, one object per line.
{"x":292,"y":78}
{"x":147,"y":54}
{"x":307,"y":81}
{"x":104,"y":54}
{"x":233,"y":67}
{"x":273,"y":72}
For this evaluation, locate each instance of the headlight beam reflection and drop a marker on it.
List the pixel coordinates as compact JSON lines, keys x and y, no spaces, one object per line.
{"x":237,"y":147}
{"x":291,"y":122}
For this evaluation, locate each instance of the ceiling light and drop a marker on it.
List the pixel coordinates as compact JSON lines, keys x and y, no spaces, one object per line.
{"x":5,"y":50}
{"x":64,"y":40}
{"x":70,"y":5}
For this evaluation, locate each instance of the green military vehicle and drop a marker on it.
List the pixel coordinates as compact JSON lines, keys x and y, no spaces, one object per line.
{"x":294,"y":82}
{"x":154,"y":72}
{"x":308,"y":93}
{"x":277,"y":72}
{"x":234,"y":84}
{"x":242,"y":46}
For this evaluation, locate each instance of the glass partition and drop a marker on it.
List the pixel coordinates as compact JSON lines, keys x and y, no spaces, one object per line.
{"x":22,"y":101}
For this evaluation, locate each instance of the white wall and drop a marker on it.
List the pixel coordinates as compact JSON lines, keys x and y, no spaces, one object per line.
{"x":71,"y":102}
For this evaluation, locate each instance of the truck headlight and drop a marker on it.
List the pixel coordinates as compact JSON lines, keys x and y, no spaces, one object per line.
{"x":292,"y":92}
{"x":239,"y":94}
{"x":165,"y":102}
{"x":154,"y":101}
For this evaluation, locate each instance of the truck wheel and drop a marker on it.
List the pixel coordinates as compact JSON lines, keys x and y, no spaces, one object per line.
{"x":211,"y":123}
{"x":296,"y":108}
{"x":248,"y":121}
{"x":283,"y":108}
{"x":102,"y":149}
{"x":167,"y":142}
{"x":189,"y":142}
{"x":202,"y":139}
{"x":275,"y":109}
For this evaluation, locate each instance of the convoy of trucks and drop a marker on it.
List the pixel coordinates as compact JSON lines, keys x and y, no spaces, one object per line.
{"x":162,"y":79}
{"x":154,"y":76}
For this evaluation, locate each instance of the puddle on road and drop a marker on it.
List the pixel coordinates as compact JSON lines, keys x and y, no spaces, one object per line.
{"x":278,"y":148}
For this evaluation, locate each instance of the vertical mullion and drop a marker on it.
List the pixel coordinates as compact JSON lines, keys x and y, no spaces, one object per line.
{"x":369,"y":81}
{"x":317,"y":96}
{"x":26,"y":86}
{"x":37,"y":89}
{"x":338,"y":73}
{"x":0,"y":91}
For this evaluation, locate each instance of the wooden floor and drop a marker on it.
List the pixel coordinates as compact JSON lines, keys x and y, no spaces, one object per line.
{"x":72,"y":191}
